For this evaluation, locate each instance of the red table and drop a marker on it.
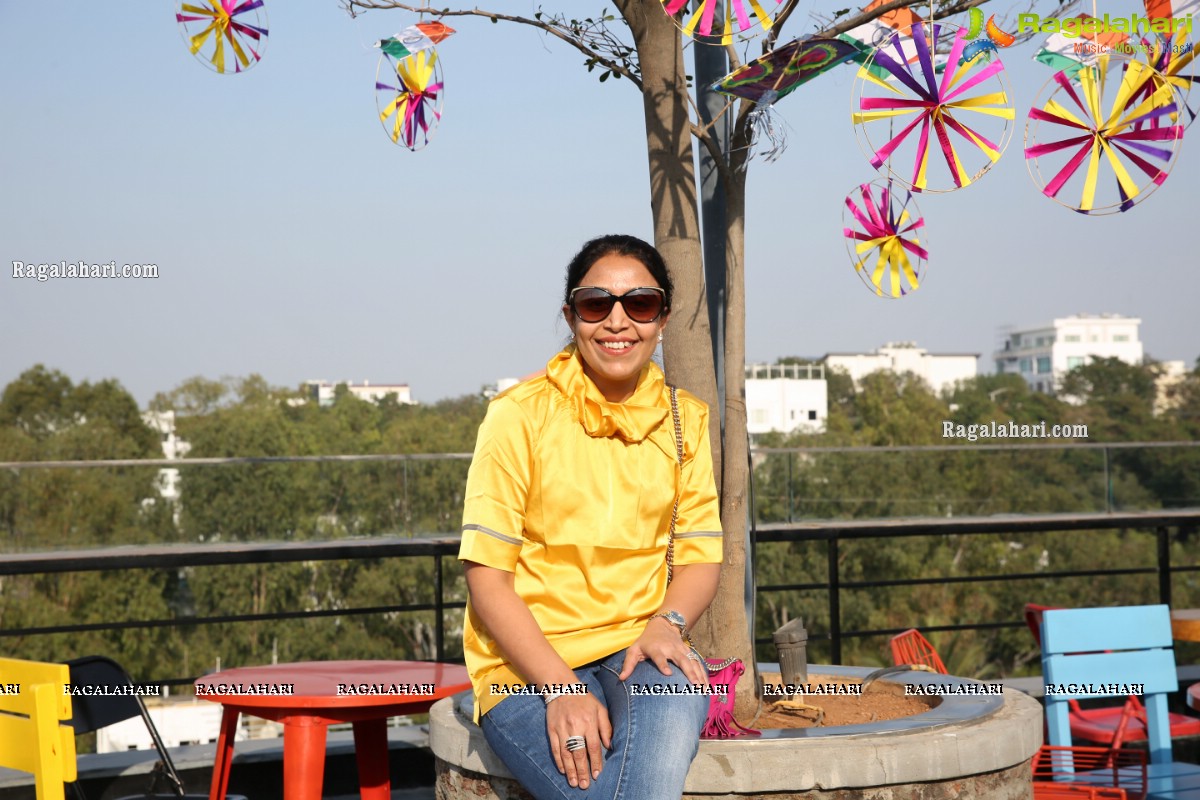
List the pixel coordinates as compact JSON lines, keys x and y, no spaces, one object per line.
{"x":309,"y":696}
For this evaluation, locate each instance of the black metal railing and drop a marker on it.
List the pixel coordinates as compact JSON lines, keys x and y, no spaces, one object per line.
{"x":1161,"y":525}
{"x":833,"y":587}
{"x":168,"y":557}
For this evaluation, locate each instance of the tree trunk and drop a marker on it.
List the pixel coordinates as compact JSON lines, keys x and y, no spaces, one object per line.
{"x":730,"y":631}
{"x":687,"y":346}
{"x":722,"y":632}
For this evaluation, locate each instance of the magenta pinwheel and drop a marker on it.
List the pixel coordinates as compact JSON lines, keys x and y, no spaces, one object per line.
{"x":1120,"y":116}
{"x":208,"y":26}
{"x":882,"y":225}
{"x":963,"y":113}
{"x":411,"y":109}
{"x":744,"y":19}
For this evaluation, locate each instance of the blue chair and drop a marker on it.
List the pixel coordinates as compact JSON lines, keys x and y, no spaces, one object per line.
{"x":1101,"y":652}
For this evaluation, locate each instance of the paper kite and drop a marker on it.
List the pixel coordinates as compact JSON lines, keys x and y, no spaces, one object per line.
{"x":781,"y":71}
{"x":1069,"y":53}
{"x":208,"y":25}
{"x":866,"y":37}
{"x":410,"y":111}
{"x":742,"y":18}
{"x":1099,"y":118}
{"x":415,"y":38}
{"x":882,"y":222}
{"x":917,"y":110}
{"x":775,"y":75}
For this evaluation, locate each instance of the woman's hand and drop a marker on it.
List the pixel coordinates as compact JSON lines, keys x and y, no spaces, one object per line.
{"x":661,"y":643}
{"x":578,"y":715}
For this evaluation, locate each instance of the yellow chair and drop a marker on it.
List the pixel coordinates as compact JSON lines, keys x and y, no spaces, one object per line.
{"x":33,"y":739}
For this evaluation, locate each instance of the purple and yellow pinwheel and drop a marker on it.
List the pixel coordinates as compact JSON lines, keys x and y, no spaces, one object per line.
{"x":882,"y":223}
{"x":411,"y":110}
{"x":1118,"y":115}
{"x":963,"y":113}
{"x":209,"y":25}
{"x":744,"y":19}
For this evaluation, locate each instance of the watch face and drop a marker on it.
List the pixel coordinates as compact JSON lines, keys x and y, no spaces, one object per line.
{"x":675,"y":618}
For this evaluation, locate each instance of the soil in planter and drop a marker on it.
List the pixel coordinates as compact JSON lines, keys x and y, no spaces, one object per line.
{"x":882,"y":700}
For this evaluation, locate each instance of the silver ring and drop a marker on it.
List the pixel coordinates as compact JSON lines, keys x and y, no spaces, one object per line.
{"x":574,"y":743}
{"x":694,"y":656}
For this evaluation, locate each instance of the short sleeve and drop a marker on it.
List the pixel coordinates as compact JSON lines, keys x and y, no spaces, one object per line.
{"x":698,"y":536}
{"x":498,"y":487}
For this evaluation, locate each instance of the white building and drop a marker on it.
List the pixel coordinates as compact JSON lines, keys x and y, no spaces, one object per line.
{"x":941,"y":371}
{"x":1043,"y":355}
{"x":1173,"y":374}
{"x":323,"y":391}
{"x":163,"y":423}
{"x":786,"y":398}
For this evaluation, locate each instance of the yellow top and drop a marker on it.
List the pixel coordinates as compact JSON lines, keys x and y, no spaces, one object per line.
{"x":573,"y":495}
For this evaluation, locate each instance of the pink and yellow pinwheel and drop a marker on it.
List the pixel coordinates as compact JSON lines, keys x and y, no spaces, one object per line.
{"x":410,"y":111}
{"x":916,"y":110}
{"x":1173,"y":54}
{"x":742,"y":18}
{"x":882,"y":222}
{"x":1120,"y":116}
{"x":1175,"y":60}
{"x":208,"y":25}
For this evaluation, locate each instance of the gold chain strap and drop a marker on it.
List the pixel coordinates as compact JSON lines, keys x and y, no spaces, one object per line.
{"x":678,"y":482}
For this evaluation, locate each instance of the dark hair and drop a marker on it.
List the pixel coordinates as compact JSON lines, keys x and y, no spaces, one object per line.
{"x":619,"y":245}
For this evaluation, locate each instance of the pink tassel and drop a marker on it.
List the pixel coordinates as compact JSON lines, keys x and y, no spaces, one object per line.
{"x":720,"y":723}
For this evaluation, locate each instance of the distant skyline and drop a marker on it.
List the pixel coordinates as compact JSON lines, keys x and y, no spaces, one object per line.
{"x":294,"y":240}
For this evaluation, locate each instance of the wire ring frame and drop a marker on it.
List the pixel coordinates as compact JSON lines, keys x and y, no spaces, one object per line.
{"x":933,"y":123}
{"x":883,"y":232}
{"x":227,"y":36}
{"x":409,"y":93}
{"x":1101,"y":141}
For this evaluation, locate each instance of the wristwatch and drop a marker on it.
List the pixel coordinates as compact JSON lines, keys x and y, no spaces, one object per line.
{"x":676,"y":619}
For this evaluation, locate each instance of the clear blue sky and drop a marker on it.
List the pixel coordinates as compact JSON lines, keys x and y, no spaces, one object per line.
{"x":293,"y":239}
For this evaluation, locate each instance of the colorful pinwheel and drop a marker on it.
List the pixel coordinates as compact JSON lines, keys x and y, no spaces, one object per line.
{"x":1175,"y":59}
{"x":940,"y":104}
{"x":743,"y":18}
{"x":882,"y":223}
{"x":411,"y":111}
{"x":1103,"y":121}
{"x":209,"y":24}
{"x":1172,"y":53}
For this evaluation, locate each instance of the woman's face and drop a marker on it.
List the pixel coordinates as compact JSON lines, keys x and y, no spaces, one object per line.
{"x":616,"y":349}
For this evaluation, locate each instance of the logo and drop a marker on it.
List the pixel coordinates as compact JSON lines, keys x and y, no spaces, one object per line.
{"x":1133,"y":24}
{"x":995,"y":37}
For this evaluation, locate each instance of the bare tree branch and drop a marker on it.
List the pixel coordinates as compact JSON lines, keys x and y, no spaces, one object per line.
{"x":588,"y":37}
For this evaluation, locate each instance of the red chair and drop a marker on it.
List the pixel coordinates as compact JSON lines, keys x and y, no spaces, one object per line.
{"x":1089,"y":772}
{"x":911,"y":647}
{"x":1111,"y":726}
{"x":1050,"y":791}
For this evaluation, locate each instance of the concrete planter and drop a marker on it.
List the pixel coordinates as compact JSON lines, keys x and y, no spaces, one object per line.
{"x":967,"y":747}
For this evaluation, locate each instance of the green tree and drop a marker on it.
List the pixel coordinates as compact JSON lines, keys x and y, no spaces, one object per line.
{"x":45,"y":416}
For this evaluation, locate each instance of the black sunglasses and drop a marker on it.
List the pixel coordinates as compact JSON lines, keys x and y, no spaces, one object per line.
{"x":593,"y":304}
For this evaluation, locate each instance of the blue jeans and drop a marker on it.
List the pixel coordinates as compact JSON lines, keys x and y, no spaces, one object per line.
{"x":655,"y":737}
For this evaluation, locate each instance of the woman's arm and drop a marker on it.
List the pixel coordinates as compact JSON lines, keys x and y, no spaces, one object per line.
{"x":511,"y":625}
{"x":692,"y":588}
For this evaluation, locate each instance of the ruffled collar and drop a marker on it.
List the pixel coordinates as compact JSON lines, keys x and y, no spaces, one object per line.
{"x":632,"y":420}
